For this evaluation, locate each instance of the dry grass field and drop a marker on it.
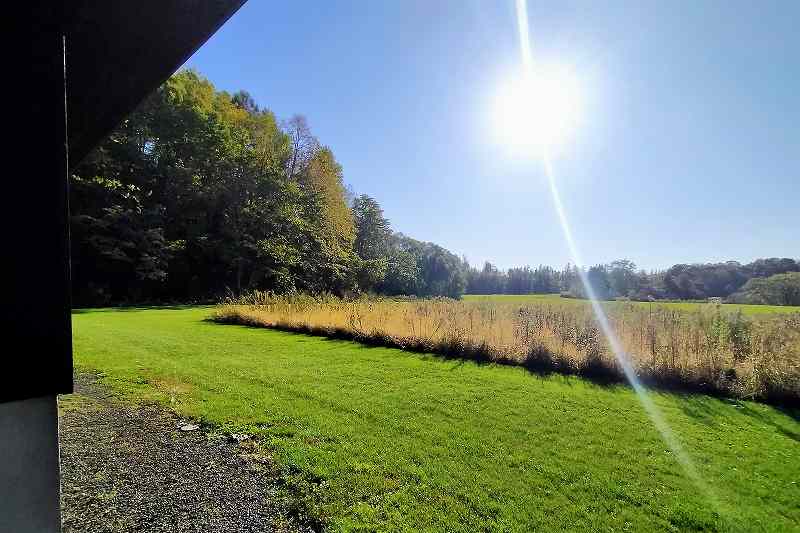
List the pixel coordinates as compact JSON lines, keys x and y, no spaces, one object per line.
{"x":707,"y":348}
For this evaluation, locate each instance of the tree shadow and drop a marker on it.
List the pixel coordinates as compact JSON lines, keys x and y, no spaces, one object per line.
{"x":710,"y":410}
{"x":776,"y":424}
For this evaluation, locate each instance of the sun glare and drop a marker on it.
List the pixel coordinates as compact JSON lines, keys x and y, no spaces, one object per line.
{"x":535,"y":113}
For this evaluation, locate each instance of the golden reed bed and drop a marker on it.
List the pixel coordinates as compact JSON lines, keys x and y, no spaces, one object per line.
{"x":706,"y":350}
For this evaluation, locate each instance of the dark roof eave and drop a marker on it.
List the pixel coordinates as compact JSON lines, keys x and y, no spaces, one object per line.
{"x":119,"y":52}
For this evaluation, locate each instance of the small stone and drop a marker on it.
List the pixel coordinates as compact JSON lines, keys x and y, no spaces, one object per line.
{"x":239,"y":437}
{"x":189,"y":427}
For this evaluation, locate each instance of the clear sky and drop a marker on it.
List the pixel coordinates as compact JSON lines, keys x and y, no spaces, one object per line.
{"x":687,"y":149}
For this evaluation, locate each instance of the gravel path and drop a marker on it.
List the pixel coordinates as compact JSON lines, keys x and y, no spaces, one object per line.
{"x":130,"y":468}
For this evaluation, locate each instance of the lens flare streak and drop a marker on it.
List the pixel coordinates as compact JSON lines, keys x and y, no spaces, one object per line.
{"x":619,"y":353}
{"x":624,"y":361}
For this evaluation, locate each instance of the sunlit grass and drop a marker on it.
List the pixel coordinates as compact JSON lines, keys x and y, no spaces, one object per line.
{"x":381,"y":439}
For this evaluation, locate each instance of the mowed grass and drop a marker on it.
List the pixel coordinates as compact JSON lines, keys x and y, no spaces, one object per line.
{"x":381,"y":439}
{"x":520,"y":299}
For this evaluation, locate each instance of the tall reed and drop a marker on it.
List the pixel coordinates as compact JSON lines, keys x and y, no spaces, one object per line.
{"x":707,"y":350}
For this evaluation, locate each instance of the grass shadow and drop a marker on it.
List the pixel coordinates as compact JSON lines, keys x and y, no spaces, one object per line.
{"x":709,"y":410}
{"x":765,"y":418}
{"x":540,"y":363}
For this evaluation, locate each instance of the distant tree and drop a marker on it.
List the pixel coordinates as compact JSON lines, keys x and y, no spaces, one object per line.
{"x":683,"y":281}
{"x":489,"y":280}
{"x":442,"y":272}
{"x":597,"y":277}
{"x":701,"y":281}
{"x":520,"y":281}
{"x":349,"y":195}
{"x":243,"y":100}
{"x":648,"y":286}
{"x":372,"y":231}
{"x":438,"y":271}
{"x":403,"y":274}
{"x":372,"y":228}
{"x":622,"y":277}
{"x":763,"y":268}
{"x":778,"y":289}
{"x":544,"y":280}
{"x":332,"y":236}
{"x":524,"y":280}
{"x":303,"y":145}
{"x":568,"y":278}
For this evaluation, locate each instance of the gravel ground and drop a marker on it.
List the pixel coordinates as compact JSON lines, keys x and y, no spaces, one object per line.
{"x":130,"y":468}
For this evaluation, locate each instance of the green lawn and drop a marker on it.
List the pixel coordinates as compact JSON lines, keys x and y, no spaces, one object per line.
{"x":398,"y":441}
{"x":746,"y":309}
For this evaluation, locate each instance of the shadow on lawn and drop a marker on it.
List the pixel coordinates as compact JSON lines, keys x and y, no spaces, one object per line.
{"x":709,"y":411}
{"x":538,"y":364}
{"x":774,"y":421}
{"x":705,"y":406}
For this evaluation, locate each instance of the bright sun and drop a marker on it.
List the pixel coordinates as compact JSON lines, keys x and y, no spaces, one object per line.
{"x":536,"y":113}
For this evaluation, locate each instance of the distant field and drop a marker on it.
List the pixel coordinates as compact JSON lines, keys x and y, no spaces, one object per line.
{"x":382,"y":439}
{"x":685,"y":306}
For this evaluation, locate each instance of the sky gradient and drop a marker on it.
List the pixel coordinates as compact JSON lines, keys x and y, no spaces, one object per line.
{"x":687,"y":150}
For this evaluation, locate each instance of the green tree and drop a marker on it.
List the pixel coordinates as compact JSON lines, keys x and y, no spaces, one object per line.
{"x":402,"y":273}
{"x":597,"y":276}
{"x":332,"y":225}
{"x":200,"y":192}
{"x":779,"y":289}
{"x":372,"y":232}
{"x":372,"y":228}
{"x":622,"y":277}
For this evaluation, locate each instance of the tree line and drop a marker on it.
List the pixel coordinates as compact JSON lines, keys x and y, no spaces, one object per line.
{"x":769,"y":281}
{"x":199,"y":193}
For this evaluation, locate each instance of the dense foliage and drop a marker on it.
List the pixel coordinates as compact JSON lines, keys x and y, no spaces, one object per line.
{"x":525,"y":280}
{"x":200,"y":193}
{"x":766,"y":281}
{"x":780,"y":289}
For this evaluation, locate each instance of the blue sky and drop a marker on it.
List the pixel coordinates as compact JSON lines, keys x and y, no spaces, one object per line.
{"x":687,"y":150}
